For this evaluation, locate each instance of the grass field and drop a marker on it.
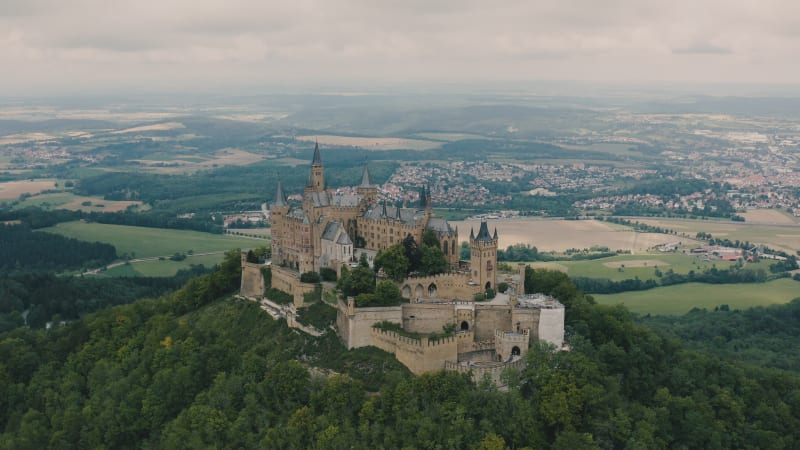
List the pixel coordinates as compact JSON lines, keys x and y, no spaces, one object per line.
{"x":560,"y":235}
{"x":11,"y":190}
{"x":634,"y":266}
{"x":164,"y":268}
{"x":783,"y":237}
{"x":150,"y":242}
{"x":680,"y":299}
{"x":67,"y":200}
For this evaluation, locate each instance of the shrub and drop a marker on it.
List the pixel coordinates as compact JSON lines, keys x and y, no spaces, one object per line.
{"x":327,"y":274}
{"x":310,"y":277}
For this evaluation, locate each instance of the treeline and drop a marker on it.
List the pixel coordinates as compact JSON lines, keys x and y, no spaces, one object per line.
{"x":33,"y":299}
{"x":527,"y":252}
{"x":26,"y":250}
{"x":38,"y":218}
{"x":224,"y":374}
{"x":669,"y":278}
{"x":761,"y":336}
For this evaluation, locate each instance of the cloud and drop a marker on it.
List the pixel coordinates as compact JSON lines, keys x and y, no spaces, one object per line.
{"x":164,"y":43}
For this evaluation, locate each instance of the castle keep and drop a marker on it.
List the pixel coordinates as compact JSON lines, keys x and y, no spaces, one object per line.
{"x":486,"y":337}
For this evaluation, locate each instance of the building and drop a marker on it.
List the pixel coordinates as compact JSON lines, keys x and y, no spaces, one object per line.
{"x":484,"y":338}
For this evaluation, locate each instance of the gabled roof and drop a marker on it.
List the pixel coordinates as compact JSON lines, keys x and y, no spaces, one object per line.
{"x":344,"y":239}
{"x":440,"y":225}
{"x":331,"y":228}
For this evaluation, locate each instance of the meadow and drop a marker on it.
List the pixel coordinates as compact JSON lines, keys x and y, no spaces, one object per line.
{"x":641,"y":265}
{"x":163,"y":268}
{"x":560,"y":235}
{"x":141,"y":242}
{"x":782,"y":237}
{"x":680,"y":299}
{"x":68,"y":200}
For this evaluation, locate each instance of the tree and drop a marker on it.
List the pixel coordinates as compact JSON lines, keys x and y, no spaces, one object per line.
{"x":393,"y":261}
{"x":412,"y":252}
{"x":388,"y":294}
{"x":432,"y":261}
{"x":360,"y":280}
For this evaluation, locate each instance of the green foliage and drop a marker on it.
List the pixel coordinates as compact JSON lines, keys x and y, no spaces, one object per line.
{"x":278,"y":296}
{"x":266,"y":274}
{"x":319,"y":315}
{"x":327,"y":274}
{"x":433,"y":261}
{"x":360,"y":280}
{"x":310,"y":277}
{"x":27,"y":250}
{"x":386,"y":294}
{"x":502,"y":287}
{"x":393,"y":261}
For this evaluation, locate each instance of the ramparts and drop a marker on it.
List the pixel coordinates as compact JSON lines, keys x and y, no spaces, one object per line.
{"x":482,"y":370}
{"x":445,"y":286}
{"x":419,"y":355}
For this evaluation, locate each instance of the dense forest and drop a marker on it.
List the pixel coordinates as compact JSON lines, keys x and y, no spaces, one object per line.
{"x":25,"y":250}
{"x":198,"y":369}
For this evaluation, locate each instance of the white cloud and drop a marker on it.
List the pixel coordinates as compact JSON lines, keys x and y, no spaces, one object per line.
{"x":161,"y":44}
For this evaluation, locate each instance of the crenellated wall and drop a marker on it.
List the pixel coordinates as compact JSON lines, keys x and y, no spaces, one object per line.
{"x":481,"y":370}
{"x":354,"y":325}
{"x":419,"y":355}
{"x":508,"y":343}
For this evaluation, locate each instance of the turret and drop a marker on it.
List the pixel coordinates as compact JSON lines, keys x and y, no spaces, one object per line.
{"x":483,"y":249}
{"x":367,"y":190}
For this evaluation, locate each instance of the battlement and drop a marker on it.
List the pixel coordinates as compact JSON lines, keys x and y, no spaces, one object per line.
{"x":510,"y":336}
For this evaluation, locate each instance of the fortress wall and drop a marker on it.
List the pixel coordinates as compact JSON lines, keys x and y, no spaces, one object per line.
{"x":505,"y":343}
{"x":419,"y":355}
{"x":289,"y":282}
{"x":427,"y":318}
{"x":489,"y":318}
{"x":466,"y":340}
{"x":448,"y":286}
{"x":355,"y":324}
{"x":252,"y":280}
{"x":525,"y":319}
{"x":480,"y":371}
{"x":487,"y":355}
{"x":551,"y":326}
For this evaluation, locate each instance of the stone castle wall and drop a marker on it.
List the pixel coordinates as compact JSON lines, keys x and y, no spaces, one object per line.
{"x":551,"y":326}
{"x":445,"y":286}
{"x":426,"y":318}
{"x":252,"y":284}
{"x":419,"y":355}
{"x":289,"y":281}
{"x":489,"y":318}
{"x":355,"y":324}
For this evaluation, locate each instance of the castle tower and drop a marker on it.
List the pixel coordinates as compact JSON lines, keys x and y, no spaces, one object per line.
{"x":317,"y":181}
{"x":483,"y":249}
{"x":367,"y":190}
{"x":278,"y":210}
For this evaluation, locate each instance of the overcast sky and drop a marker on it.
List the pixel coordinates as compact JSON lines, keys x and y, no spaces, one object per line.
{"x":75,"y":46}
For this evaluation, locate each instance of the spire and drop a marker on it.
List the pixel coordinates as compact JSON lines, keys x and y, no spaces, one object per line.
{"x":397,"y":212}
{"x":483,"y":233}
{"x":471,"y":234}
{"x":365,"y":181}
{"x":280,"y":199}
{"x":317,"y":161}
{"x":495,"y":234}
{"x":422,"y":198}
{"x":384,"y":209}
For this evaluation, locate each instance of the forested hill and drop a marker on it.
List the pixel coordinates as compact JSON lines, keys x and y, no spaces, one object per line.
{"x":200,"y":369}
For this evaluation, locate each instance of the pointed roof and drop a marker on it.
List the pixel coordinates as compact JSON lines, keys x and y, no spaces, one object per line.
{"x":471,"y":234}
{"x":422,"y":198}
{"x":280,"y":198}
{"x":383,"y":212}
{"x":483,"y":233}
{"x":317,"y":161}
{"x":365,"y":180}
{"x":495,"y":234}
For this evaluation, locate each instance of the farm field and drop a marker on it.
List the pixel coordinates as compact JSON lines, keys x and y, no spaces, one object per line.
{"x":560,"y":235}
{"x":166,"y":268}
{"x":776,"y":216}
{"x":373,"y":143}
{"x":151,"y":242}
{"x":11,"y":190}
{"x":782,"y":237}
{"x":642,"y":266}
{"x":680,"y":299}
{"x":67,"y":200}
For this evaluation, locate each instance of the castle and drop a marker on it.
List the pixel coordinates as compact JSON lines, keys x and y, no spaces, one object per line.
{"x":327,"y":230}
